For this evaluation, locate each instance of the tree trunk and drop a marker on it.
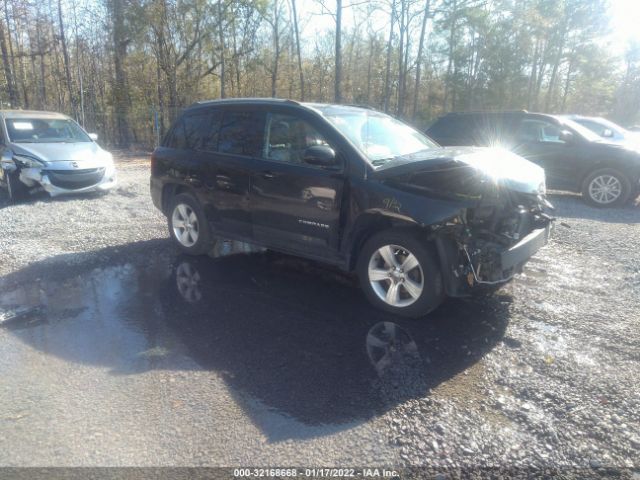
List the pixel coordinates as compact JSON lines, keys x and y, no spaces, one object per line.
{"x":43,"y":76}
{"x":401,"y":64}
{"x":452,"y":31}
{"x":338,"y":68}
{"x":120,"y":88}
{"x":423,"y":30}
{"x":297,"y":37}
{"x":65,"y":57}
{"x":369,"y":66}
{"x":221,"y":38}
{"x":387,"y":75}
{"x":554,"y":71}
{"x":11,"y":57}
{"x":8,"y":74}
{"x":276,"y":47}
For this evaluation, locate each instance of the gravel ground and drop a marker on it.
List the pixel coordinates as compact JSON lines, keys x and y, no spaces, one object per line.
{"x":544,"y":374}
{"x":83,"y":223}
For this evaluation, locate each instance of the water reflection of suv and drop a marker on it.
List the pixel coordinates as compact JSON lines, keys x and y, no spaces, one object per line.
{"x":574,"y":158}
{"x":354,"y":188}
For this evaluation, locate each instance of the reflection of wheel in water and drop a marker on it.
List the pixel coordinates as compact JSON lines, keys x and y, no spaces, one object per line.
{"x":188,"y":282}
{"x":389,"y":344}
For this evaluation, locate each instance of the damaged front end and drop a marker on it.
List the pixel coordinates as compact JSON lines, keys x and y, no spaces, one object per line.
{"x":59,"y":177}
{"x":488,"y":244}
{"x":501,"y":217}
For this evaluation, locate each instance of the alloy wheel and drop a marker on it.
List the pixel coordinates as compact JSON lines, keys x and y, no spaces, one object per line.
{"x":396,"y":276}
{"x":605,"y":189}
{"x":185,"y":225}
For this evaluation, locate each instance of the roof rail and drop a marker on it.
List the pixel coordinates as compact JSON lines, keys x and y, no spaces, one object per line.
{"x":465,"y":112}
{"x":367,"y":107}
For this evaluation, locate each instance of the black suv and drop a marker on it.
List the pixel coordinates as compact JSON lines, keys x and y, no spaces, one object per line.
{"x":351,"y":187}
{"x":574,"y":158}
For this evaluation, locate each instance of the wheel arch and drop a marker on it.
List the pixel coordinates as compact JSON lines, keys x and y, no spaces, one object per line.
{"x":601,"y":166}
{"x":373,"y":223}
{"x":169,"y":191}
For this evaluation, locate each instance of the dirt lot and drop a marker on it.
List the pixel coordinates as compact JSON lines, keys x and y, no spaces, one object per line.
{"x":115,"y":350}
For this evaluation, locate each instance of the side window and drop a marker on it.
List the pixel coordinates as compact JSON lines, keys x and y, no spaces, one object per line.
{"x":176,"y":136}
{"x":538,"y":131}
{"x":201,"y":130}
{"x":241,"y":133}
{"x":594,"y":127}
{"x":194,"y":128}
{"x":288,"y":137}
{"x":211,"y":131}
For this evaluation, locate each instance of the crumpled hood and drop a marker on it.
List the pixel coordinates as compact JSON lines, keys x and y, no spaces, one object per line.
{"x":499,"y":166}
{"x":89,"y":154}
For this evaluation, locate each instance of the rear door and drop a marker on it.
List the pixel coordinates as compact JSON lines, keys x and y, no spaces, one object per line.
{"x":538,"y":140}
{"x":296,"y":206}
{"x":229,"y":156}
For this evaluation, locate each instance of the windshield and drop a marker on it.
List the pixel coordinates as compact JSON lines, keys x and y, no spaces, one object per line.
{"x":380,"y":137}
{"x":45,"y":130}
{"x":582,"y":130}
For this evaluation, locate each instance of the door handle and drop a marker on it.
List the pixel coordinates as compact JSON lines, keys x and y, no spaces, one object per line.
{"x":268,"y":174}
{"x":193,"y":181}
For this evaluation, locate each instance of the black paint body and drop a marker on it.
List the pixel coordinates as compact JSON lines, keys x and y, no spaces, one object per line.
{"x":324,"y":213}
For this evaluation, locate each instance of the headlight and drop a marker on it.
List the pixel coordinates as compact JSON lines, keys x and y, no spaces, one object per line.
{"x":106,"y":157}
{"x":26,"y":161}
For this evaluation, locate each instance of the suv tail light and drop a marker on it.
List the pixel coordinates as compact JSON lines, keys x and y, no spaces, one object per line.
{"x":154,"y":161}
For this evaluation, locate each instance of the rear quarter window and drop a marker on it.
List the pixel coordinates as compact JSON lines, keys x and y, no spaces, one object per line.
{"x":242,"y":133}
{"x":195,"y":131}
{"x":457,"y":126}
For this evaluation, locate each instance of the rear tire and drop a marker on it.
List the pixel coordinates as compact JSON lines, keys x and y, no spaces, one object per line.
{"x":188,"y":225}
{"x":606,"y":188}
{"x":400,"y":274}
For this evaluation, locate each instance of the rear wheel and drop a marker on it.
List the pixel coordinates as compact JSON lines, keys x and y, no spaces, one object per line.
{"x":606,"y":188}
{"x":399,"y":274}
{"x":188,"y":226}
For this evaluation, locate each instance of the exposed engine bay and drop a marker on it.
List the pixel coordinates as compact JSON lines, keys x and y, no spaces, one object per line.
{"x":489,"y":244}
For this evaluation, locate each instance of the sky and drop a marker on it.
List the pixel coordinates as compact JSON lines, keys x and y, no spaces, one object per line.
{"x":625,"y":22}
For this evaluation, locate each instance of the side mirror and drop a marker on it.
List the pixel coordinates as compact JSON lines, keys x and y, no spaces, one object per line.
{"x":93,"y":136}
{"x":566,"y":136}
{"x":607,"y":133}
{"x":320,"y":155}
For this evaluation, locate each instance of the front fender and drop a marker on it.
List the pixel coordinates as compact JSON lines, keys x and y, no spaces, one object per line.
{"x":420,"y":210}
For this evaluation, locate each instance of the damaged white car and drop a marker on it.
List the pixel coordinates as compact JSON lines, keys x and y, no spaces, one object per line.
{"x":50,"y":151}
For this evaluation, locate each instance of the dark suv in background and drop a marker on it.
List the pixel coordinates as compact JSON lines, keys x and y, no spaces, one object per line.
{"x":573,"y":157}
{"x":354,"y":188}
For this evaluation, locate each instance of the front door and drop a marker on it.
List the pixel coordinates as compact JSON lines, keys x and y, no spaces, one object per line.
{"x":296,"y":206}
{"x":539,"y":141}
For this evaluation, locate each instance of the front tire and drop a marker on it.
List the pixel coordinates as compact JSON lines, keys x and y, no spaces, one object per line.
{"x":606,"y":188}
{"x":400,"y":274}
{"x":188,"y":225}
{"x":16,"y":190}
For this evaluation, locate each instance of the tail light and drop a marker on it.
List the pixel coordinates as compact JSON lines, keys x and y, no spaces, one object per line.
{"x":154,"y":161}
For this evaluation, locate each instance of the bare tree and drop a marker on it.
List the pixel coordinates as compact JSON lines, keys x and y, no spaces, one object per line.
{"x":297,"y":39}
